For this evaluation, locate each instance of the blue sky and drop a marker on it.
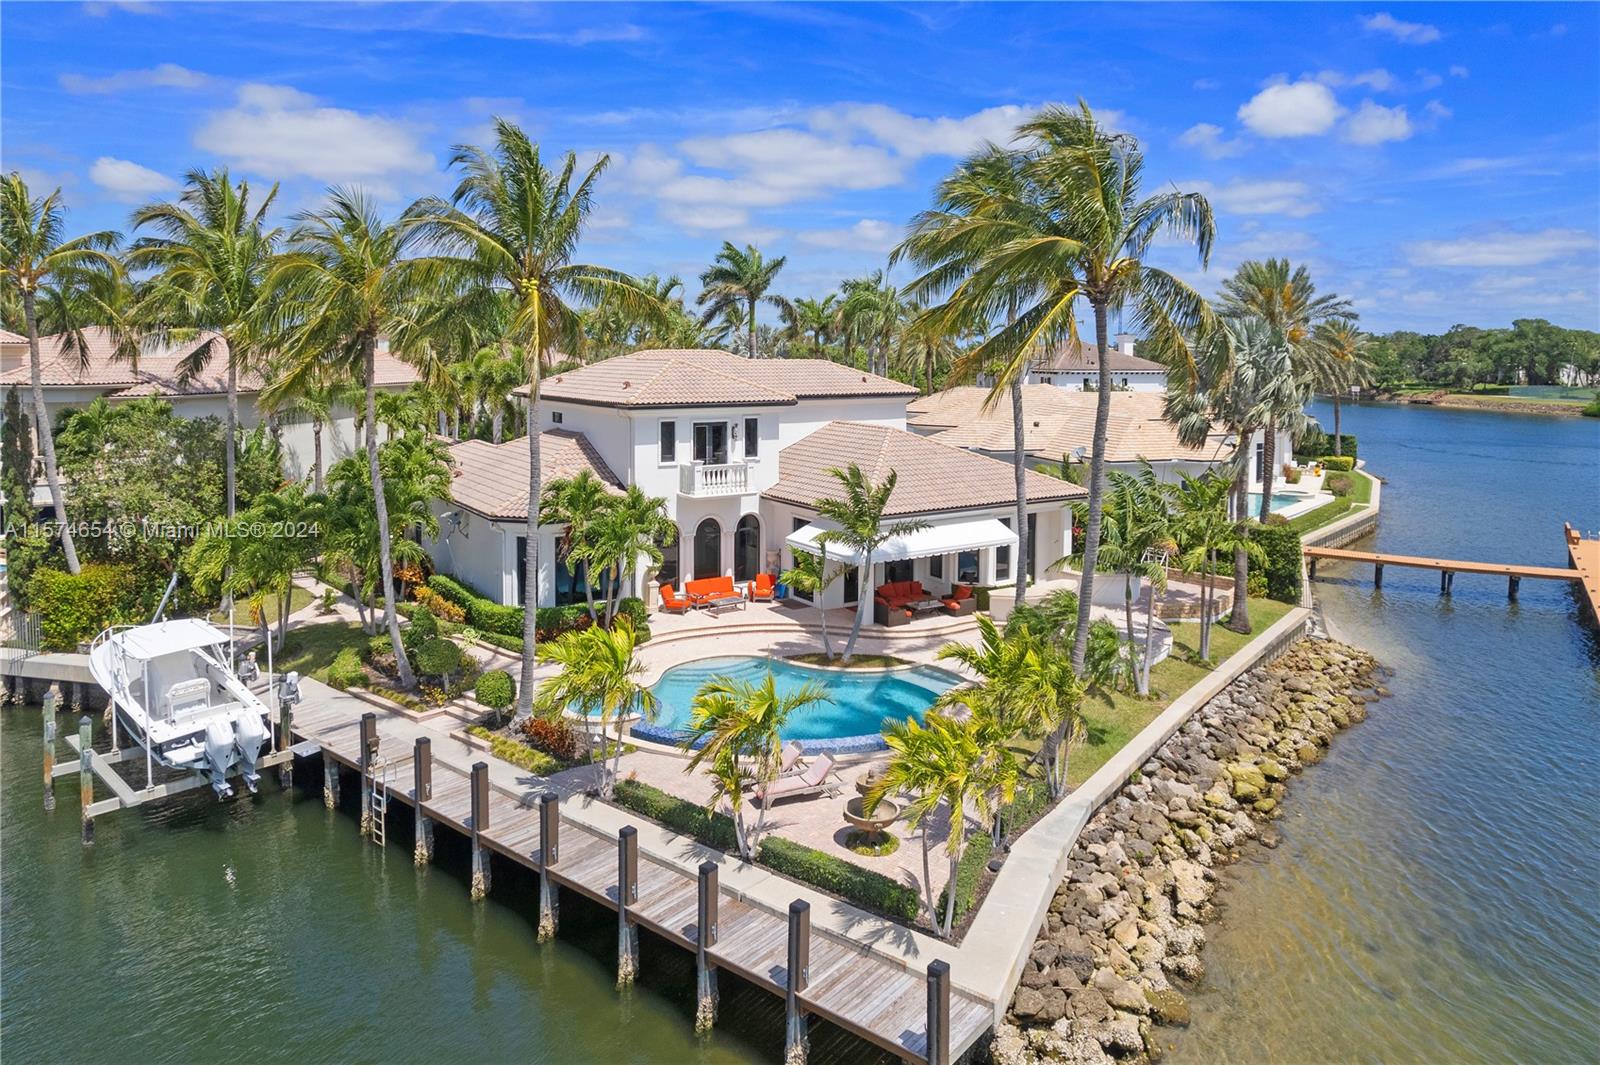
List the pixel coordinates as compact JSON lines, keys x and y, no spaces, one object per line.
{"x":1438,"y":163}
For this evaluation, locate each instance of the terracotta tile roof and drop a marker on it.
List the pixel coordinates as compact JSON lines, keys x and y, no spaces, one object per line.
{"x":696,"y":377}
{"x":8,"y":337}
{"x":933,"y":476}
{"x":492,"y":479}
{"x":1077,"y":355}
{"x":1057,"y":421}
{"x":156,"y":373}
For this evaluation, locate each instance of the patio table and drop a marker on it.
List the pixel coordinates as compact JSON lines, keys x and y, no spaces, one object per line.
{"x":925,"y":606}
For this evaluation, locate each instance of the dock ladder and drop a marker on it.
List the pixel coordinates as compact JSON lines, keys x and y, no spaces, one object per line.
{"x":378,"y":797}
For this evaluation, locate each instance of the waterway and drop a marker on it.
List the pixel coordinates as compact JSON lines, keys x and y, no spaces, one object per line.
{"x":1434,"y":896}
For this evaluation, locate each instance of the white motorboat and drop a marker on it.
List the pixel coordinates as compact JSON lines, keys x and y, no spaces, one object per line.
{"x":176,"y":694}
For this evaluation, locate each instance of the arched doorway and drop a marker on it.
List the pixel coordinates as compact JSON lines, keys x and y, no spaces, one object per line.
{"x":708,"y":549}
{"x":747,"y":548}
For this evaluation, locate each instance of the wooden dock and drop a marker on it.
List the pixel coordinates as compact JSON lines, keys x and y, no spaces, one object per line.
{"x":916,"y":1015}
{"x":1583,"y":553}
{"x":1447,"y":567}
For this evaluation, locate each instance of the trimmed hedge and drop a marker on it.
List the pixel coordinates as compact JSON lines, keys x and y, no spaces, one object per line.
{"x":518,"y":754}
{"x":345,"y":670}
{"x":1337,"y":463}
{"x":551,"y":621}
{"x":495,"y":689}
{"x":969,"y":874}
{"x":1282,"y":569}
{"x":1315,"y":441}
{"x":704,"y":825}
{"x":438,"y":657}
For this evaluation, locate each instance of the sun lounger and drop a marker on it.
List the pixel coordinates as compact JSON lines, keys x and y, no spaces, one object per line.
{"x":815,"y":779}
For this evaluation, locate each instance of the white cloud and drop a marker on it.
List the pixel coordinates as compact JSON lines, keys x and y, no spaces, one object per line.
{"x":1207,"y":139}
{"x":914,"y":137}
{"x":783,"y":165}
{"x":129,"y":181}
{"x":1292,"y":198}
{"x":1458,"y":71}
{"x":869,"y":234}
{"x":281,"y":132}
{"x":1257,"y":242}
{"x":1502,"y":248}
{"x":1407,"y":32}
{"x":1298,"y":109}
{"x":164,"y":76}
{"x":1375,"y":124}
{"x":1437,"y":110}
{"x":102,"y":8}
{"x":1377,"y":79}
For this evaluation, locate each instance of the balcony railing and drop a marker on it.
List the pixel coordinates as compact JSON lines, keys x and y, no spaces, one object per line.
{"x":697,"y":479}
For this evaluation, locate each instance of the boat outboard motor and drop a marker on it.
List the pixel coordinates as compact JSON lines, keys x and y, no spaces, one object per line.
{"x":219,"y":753}
{"x":251,"y":734}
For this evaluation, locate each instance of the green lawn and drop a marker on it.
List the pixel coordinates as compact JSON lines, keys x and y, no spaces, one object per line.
{"x":310,"y":649}
{"x":1328,"y":513}
{"x":1113,"y":721}
{"x":299,"y":599}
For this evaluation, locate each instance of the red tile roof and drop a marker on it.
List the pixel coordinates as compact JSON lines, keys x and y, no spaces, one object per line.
{"x":492,"y":479}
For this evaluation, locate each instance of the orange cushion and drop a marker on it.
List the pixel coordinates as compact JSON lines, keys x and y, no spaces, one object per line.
{"x":961,"y":591}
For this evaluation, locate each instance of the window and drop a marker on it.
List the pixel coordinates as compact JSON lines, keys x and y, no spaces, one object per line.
{"x":1261,"y":459}
{"x":522,"y":570}
{"x":936,"y":567}
{"x":752,"y":437}
{"x":555,"y":417}
{"x":894,"y":572}
{"x":967,"y":567}
{"x":711,"y":443}
{"x":1002,"y":557}
{"x":852,"y":585}
{"x":669,"y":442}
{"x":1033,"y":544}
{"x":747,"y":548}
{"x":708,"y":549}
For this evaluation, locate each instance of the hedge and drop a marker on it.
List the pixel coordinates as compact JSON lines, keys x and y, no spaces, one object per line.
{"x":1282,"y":569}
{"x":1314,"y":441}
{"x":345,"y":670}
{"x":551,"y":621}
{"x":1337,"y":463}
{"x":969,"y":874}
{"x":74,"y":608}
{"x":518,"y":754}
{"x":495,"y":689}
{"x":849,"y":881}
{"x":438,"y":657}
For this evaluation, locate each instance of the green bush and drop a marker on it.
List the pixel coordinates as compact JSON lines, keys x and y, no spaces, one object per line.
{"x":849,"y":881}
{"x":550,"y":621}
{"x":438,"y":657}
{"x":345,"y":670}
{"x":72,"y":608}
{"x":1339,"y":484}
{"x":518,"y":754}
{"x":509,"y":643}
{"x":633,"y":609}
{"x":1591,"y":409}
{"x":1314,"y":441}
{"x":379,"y":646}
{"x":1337,"y":463}
{"x":698,"y":822}
{"x":424,"y":627}
{"x":969,"y":874}
{"x":495,"y":689}
{"x":1282,"y":569}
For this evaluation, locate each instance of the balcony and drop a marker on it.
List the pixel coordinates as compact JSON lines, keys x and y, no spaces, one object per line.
{"x":703,"y":481}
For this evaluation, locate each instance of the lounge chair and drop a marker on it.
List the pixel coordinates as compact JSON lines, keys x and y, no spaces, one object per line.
{"x":671,"y":600}
{"x":815,"y":779}
{"x":791,"y":757}
{"x":762,"y":588}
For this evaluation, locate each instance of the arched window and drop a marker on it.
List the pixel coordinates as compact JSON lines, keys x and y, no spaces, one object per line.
{"x":708,"y":549}
{"x":747,"y":548}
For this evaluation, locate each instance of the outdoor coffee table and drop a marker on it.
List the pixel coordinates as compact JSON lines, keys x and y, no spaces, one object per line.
{"x":925,"y":606}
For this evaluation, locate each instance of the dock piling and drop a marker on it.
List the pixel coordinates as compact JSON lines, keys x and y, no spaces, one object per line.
{"x":627,"y":894}
{"x":938,"y":1012}
{"x":422,"y":785}
{"x":1511,"y":587}
{"x":705,"y":1012}
{"x":49,"y":751}
{"x":86,"y":776}
{"x":1377,"y":575}
{"x":480,"y":821}
{"x":369,"y":752}
{"x":795,"y":1043}
{"x":330,"y":782}
{"x":285,"y":741}
{"x":549,"y":854}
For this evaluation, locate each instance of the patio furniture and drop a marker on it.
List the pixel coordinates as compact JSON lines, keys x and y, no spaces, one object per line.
{"x":816,"y":779}
{"x":671,"y":600}
{"x":889,"y":616}
{"x":713,"y":592}
{"x":900,"y":593}
{"x":763,"y":588}
{"x":924,"y":606}
{"x":961,"y":601}
{"x":876,"y":823}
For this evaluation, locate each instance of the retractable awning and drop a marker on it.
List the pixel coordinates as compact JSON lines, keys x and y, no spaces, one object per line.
{"x":945,"y":538}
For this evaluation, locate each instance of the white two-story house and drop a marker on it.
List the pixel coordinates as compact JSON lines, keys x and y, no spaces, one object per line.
{"x":740,"y":449}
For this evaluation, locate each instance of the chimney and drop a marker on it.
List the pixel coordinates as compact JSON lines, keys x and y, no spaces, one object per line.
{"x":1125,"y":343}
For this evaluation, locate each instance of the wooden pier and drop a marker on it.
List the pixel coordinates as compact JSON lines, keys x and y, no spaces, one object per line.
{"x":1447,"y":567}
{"x":917,"y":1015}
{"x":1583,"y":553}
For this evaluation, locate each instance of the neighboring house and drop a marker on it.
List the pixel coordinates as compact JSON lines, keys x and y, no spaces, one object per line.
{"x":740,"y":450}
{"x":71,"y":384}
{"x":1076,"y":365}
{"x":1059,"y":423}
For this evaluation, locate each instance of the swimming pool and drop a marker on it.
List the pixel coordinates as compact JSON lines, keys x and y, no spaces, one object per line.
{"x":1279,"y":501}
{"x":862,"y":699}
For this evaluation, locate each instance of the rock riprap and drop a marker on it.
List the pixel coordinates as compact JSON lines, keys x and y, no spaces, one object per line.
{"x":1123,"y":935}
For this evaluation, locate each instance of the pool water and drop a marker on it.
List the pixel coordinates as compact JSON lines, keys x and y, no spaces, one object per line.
{"x":861,"y":699}
{"x":1279,"y":501}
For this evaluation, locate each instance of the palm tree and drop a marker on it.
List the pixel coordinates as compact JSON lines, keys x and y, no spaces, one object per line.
{"x":1343,"y":361}
{"x":1027,"y":236}
{"x":739,"y":278}
{"x":811,"y":575}
{"x":873,"y":313}
{"x":351,"y":278}
{"x":927,"y":349}
{"x":598,"y":677}
{"x":1206,"y":533}
{"x":1285,"y":298}
{"x":517,"y":223}
{"x":261,"y":566}
{"x":39,"y":265}
{"x":314,"y":400}
{"x":576,"y":504}
{"x":212,"y":257}
{"x":631,"y":528}
{"x":733,"y":718}
{"x":859,"y":517}
{"x":812,"y":319}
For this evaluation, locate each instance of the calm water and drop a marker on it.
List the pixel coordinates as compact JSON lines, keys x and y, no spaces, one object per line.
{"x":1434,"y":899}
{"x":860,"y":700}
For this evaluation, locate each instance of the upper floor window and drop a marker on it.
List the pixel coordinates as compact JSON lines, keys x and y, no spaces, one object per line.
{"x":752,"y":437}
{"x":669,"y":441}
{"x":555,"y":417}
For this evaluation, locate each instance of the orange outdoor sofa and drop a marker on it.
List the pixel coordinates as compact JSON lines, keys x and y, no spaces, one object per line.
{"x":712,"y":592}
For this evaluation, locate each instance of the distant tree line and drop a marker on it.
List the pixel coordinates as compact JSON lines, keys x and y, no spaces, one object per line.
{"x":1531,"y":352}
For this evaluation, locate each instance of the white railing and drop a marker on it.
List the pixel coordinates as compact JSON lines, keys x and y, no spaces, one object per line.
{"x":696,"y":479}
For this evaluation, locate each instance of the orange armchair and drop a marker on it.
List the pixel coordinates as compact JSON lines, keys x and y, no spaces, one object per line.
{"x":670,"y":600}
{"x":763,"y":587}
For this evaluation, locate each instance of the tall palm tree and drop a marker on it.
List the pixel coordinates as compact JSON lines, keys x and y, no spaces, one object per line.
{"x":576,"y":504}
{"x":927,"y":349}
{"x":1285,"y":298}
{"x":631,"y":528}
{"x":212,"y":255}
{"x":731,"y":717}
{"x":314,"y":400}
{"x":1027,"y":236}
{"x":739,"y":278}
{"x":40,"y":267}
{"x":813,"y":575}
{"x":812,"y":320}
{"x":351,"y":278}
{"x":874,"y":312}
{"x":1205,"y":533}
{"x":516,"y":223}
{"x":1343,"y":361}
{"x":598,"y":676}
{"x":859,"y":515}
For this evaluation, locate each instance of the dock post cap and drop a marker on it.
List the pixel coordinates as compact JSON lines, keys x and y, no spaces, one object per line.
{"x":707,"y":868}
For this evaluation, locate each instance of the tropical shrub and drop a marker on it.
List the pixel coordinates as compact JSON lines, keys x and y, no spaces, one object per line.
{"x":702,"y":824}
{"x":1339,"y":484}
{"x":849,"y":881}
{"x":550,"y":621}
{"x":72,"y":608}
{"x":424,"y":627}
{"x":379,"y":646}
{"x":1291,"y":474}
{"x":439,"y":606}
{"x":1337,"y":463}
{"x":438,"y":657}
{"x":345,"y":670}
{"x":554,"y":736}
{"x":518,"y":754}
{"x":495,"y":689}
{"x":969,"y":874}
{"x":1256,"y":586}
{"x":1314,"y":441}
{"x":1282,"y":569}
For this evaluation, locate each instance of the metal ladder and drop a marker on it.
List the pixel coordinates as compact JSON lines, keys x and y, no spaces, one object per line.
{"x":378,"y":797}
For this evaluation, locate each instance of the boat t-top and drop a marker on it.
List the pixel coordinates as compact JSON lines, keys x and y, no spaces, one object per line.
{"x":175,"y":692}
